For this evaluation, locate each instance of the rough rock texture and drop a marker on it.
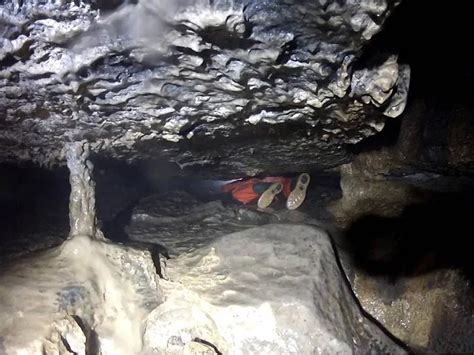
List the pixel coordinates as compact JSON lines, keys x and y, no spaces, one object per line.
{"x":423,"y":158}
{"x":245,"y":83}
{"x":180,"y":223}
{"x":367,"y":194}
{"x":406,"y":250}
{"x":85,"y":293}
{"x":430,"y":312}
{"x":271,"y":289}
{"x":82,"y":296}
{"x":437,"y":136}
{"x":411,"y":265}
{"x":82,"y":216}
{"x":212,"y":272}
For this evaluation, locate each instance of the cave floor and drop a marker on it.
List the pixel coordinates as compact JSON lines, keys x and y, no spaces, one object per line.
{"x":180,"y":217}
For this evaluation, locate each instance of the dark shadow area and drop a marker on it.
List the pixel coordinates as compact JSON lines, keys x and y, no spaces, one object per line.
{"x":114,"y":228}
{"x":438,"y":121}
{"x":109,"y":5}
{"x":425,"y":237}
{"x":387,"y":137}
{"x":119,"y":187}
{"x":431,"y":37}
{"x":34,"y":204}
{"x":345,"y":279}
{"x":27,"y":190}
{"x":33,"y":208}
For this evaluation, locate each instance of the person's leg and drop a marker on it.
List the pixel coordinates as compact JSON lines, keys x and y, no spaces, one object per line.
{"x":227,"y":198}
{"x":242,"y":190}
{"x":261,"y":187}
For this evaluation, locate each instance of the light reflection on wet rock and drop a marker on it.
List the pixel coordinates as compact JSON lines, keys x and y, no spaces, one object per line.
{"x":136,"y":80}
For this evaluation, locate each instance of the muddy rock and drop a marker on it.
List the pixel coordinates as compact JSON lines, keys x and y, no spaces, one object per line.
{"x":431,"y":312}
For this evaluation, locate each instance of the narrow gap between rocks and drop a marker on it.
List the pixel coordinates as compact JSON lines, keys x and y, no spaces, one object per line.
{"x":143,"y":113}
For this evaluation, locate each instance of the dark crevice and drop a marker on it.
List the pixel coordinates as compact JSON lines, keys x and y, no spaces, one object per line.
{"x":92,"y":339}
{"x":67,"y":346}
{"x":425,"y":237}
{"x":386,"y":138}
{"x":8,"y":61}
{"x":108,"y":5}
{"x":208,"y":344}
{"x":221,"y":37}
{"x":157,"y":251}
{"x":337,"y":255}
{"x":286,"y":51}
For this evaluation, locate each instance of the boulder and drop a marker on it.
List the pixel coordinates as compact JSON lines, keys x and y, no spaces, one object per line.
{"x":271,"y":289}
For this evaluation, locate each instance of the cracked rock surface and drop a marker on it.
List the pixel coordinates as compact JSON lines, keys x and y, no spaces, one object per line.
{"x":236,"y":86}
{"x":54,"y":299}
{"x":259,"y":289}
{"x":270,"y":289}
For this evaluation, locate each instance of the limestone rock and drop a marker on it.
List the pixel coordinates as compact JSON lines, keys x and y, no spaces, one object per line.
{"x":84,"y":294}
{"x":431,"y":312}
{"x":181,"y":223}
{"x":235,"y":86}
{"x":271,"y":289}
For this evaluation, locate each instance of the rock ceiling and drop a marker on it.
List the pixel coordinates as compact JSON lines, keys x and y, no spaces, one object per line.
{"x":234,"y":86}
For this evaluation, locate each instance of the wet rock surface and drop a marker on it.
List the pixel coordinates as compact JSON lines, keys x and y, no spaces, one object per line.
{"x":218,"y":292}
{"x":431,"y":311}
{"x":84,"y":293}
{"x":161,"y":218}
{"x":236,"y":87}
{"x":214,"y":276}
{"x":271,"y":289}
{"x":405,"y":249}
{"x":413,"y":272}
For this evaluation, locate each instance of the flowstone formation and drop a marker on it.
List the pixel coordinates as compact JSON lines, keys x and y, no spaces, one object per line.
{"x":234,"y":86}
{"x":82,"y":199}
{"x":80,"y":297}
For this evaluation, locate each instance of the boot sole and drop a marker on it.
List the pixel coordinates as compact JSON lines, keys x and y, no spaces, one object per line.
{"x":267,"y":197}
{"x":298,"y":195}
